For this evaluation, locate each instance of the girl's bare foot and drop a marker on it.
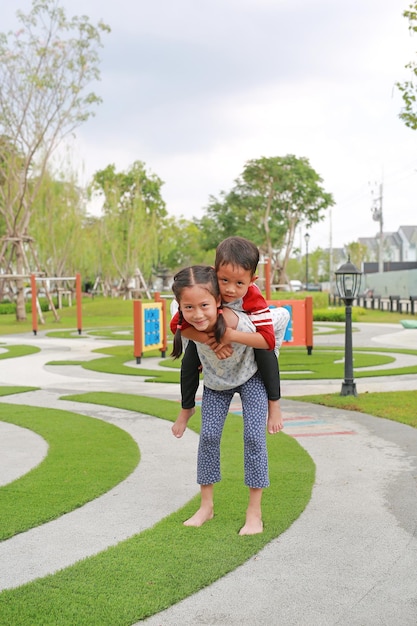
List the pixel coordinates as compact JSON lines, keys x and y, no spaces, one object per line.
{"x":204,"y":514}
{"x":253,"y":525}
{"x":181,"y":422}
{"x":275,"y":422}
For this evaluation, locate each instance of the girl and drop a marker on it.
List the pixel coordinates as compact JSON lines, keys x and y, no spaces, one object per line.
{"x":197,"y":293}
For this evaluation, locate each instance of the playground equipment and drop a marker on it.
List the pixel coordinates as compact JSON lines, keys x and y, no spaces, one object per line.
{"x":299,"y":331}
{"x":36,"y":309}
{"x":149,"y":327}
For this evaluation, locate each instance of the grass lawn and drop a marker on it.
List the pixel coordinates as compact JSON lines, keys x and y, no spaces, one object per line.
{"x":154,"y":569}
{"x":323,"y":364}
{"x":86,"y":457}
{"x":10,"y":352}
{"x":398,"y":406}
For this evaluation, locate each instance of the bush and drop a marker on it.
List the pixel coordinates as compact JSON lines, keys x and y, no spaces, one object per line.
{"x":335,"y":314}
{"x":320,"y":298}
{"x":7,"y":308}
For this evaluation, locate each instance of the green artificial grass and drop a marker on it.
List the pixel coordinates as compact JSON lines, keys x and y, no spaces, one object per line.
{"x":114,"y":363}
{"x":116,"y":333}
{"x":8,"y":390}
{"x":398,"y":406}
{"x":324,"y":363}
{"x":15,"y":351}
{"x":155,"y":569}
{"x":86,"y":457}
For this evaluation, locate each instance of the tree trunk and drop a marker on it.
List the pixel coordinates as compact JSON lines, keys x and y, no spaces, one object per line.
{"x":20,"y":283}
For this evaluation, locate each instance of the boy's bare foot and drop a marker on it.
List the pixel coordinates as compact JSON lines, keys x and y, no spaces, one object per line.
{"x":253,"y":525}
{"x":204,"y":514}
{"x":275,"y":422}
{"x":181,"y":422}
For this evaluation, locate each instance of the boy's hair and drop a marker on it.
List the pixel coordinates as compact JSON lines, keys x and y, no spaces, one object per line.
{"x":204,"y":276}
{"x":237,"y":251}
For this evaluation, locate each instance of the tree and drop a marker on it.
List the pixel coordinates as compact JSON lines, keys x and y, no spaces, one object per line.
{"x":45,"y":69}
{"x":408,"y":88}
{"x":358,"y":253}
{"x":58,"y":239}
{"x":269,"y":200}
{"x":133,"y":212}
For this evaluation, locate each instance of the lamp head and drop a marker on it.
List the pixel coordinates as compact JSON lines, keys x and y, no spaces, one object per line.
{"x":348,"y":281}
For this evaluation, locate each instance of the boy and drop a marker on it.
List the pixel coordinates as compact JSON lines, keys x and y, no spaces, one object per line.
{"x":236,"y":263}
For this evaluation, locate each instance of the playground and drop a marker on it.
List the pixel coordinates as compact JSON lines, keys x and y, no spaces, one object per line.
{"x":335,"y":493}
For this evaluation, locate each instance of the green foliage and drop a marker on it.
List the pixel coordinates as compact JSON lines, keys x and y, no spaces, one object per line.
{"x":334,"y":314}
{"x":46,"y":67}
{"x":269,"y":200}
{"x":59,"y":241}
{"x":133,"y":208}
{"x":7,"y":308}
{"x":408,"y":88}
{"x":358,"y":253}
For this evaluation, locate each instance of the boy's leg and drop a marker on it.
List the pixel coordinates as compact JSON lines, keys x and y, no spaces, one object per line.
{"x":269,"y":370}
{"x":189,"y":381}
{"x":190,"y":376}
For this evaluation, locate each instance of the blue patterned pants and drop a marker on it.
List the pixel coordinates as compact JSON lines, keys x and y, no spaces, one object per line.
{"x":214,"y":408}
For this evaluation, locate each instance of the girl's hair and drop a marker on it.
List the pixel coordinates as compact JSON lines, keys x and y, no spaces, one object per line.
{"x":203,"y":276}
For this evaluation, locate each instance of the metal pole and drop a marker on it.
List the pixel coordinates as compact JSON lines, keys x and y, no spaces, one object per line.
{"x":306,"y":262}
{"x":348,"y":386}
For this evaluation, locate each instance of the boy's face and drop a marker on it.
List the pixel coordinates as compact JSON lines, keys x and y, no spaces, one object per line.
{"x":234,"y":281}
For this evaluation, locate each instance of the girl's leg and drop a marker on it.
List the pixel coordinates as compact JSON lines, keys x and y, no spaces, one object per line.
{"x":206,"y":510}
{"x":255,"y":406}
{"x":214,"y":408}
{"x":253,"y":524}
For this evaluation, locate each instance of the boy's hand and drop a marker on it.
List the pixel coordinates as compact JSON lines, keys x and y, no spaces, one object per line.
{"x":223,"y":351}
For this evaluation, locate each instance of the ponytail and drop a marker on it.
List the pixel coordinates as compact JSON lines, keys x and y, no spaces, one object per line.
{"x":177,"y":341}
{"x":220,"y":326}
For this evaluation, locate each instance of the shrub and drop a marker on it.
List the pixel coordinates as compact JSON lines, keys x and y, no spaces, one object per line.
{"x":335,"y":314}
{"x":7,"y":307}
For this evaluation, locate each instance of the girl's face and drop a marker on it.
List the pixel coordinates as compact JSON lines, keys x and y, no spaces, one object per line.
{"x":199,"y":307}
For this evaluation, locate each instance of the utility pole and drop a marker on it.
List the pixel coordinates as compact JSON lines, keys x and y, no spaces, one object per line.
{"x":377,"y":216}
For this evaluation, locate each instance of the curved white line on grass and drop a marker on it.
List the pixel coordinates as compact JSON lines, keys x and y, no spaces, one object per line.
{"x":21,"y":451}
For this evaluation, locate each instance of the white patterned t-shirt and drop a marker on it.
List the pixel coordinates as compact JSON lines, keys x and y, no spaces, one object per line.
{"x":221,"y":374}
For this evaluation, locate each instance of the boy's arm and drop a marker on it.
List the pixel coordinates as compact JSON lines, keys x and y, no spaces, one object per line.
{"x":174,"y":323}
{"x":189,"y":332}
{"x":253,"y":340}
{"x":255,"y":305}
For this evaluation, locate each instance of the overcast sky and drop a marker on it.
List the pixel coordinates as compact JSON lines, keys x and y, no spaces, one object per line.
{"x":195,"y":88}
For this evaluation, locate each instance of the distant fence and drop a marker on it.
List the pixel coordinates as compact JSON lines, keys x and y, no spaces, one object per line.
{"x":380,"y":303}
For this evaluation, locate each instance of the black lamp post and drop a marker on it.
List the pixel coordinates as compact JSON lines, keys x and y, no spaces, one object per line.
{"x":348,"y":282}
{"x":307,"y":239}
